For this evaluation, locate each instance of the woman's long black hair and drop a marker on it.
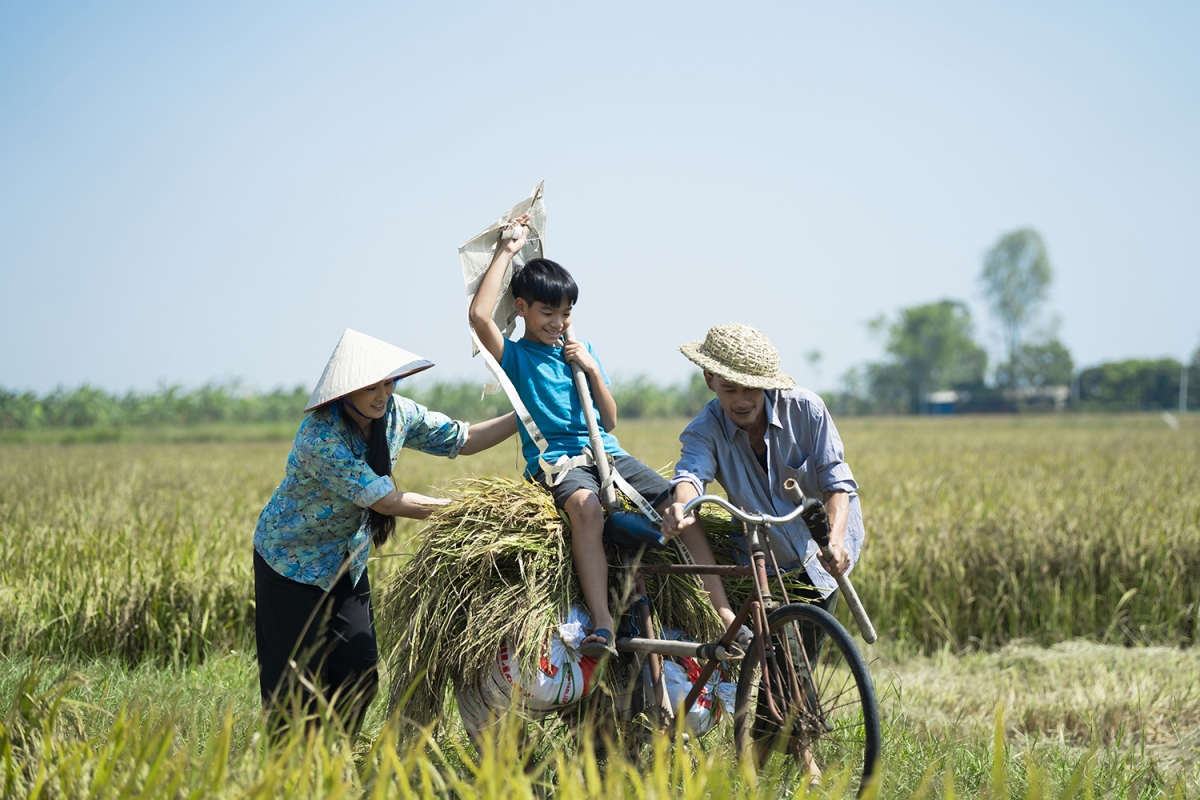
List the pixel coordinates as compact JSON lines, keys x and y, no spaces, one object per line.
{"x":379,"y":459}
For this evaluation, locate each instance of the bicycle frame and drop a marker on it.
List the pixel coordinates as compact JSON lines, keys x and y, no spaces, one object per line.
{"x":757,"y":606}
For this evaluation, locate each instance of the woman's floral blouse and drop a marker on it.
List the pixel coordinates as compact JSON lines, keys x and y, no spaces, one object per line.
{"x":318,"y":515}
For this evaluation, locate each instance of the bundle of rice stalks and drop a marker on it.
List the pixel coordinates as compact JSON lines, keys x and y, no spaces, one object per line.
{"x":493,"y":566}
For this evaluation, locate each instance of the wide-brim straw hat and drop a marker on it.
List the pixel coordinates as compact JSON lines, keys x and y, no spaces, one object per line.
{"x":359,"y":361}
{"x":740,"y":354}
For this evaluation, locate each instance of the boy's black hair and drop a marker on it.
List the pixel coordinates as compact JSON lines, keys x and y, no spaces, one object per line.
{"x":544,"y":281}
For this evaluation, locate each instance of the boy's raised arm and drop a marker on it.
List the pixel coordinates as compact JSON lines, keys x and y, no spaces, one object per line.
{"x":480,"y":313}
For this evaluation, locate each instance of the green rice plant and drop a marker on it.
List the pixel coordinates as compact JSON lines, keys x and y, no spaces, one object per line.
{"x":141,"y":552}
{"x":982,"y":531}
{"x":979,"y":531}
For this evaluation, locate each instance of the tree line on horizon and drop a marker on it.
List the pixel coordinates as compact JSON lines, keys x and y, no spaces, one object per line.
{"x":932,"y":362}
{"x":1133,"y":385}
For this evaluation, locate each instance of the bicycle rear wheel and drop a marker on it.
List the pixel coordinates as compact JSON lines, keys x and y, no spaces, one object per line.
{"x":836,"y":717}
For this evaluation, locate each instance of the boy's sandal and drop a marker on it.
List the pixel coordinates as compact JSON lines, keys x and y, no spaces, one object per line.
{"x":598,"y":649}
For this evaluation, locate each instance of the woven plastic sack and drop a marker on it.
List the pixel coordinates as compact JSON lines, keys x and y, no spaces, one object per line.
{"x":561,"y":678}
{"x":716,"y":698}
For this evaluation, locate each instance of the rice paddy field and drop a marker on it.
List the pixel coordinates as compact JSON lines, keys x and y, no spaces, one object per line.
{"x":1035,"y":582}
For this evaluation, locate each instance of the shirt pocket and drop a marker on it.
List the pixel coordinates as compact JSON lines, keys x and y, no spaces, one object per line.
{"x":798,"y":474}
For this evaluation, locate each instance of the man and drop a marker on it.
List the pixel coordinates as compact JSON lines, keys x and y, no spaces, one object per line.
{"x":759,"y":431}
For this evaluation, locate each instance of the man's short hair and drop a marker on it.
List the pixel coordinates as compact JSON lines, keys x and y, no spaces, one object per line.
{"x":544,"y":281}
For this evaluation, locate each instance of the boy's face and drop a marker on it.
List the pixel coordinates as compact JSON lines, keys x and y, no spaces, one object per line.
{"x":746,"y":407}
{"x":544,"y":323}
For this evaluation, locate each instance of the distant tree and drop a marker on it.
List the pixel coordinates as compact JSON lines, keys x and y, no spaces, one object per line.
{"x":934,"y":348}
{"x":1133,"y":385}
{"x":1193,"y":393}
{"x":1047,"y":363}
{"x":1016,"y":280}
{"x":874,"y":388}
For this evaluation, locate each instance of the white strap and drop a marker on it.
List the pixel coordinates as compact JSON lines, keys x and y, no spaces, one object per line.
{"x":635,"y":496}
{"x":559,"y":469}
{"x":498,"y":373}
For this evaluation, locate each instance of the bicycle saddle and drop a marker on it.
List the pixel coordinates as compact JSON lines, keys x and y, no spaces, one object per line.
{"x":631,"y":529}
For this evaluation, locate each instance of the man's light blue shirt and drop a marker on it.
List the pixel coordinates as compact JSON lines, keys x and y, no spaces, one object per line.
{"x":802,"y":443}
{"x":544,"y":381}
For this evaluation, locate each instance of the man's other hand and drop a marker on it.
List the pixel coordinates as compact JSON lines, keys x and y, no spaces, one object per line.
{"x":840,"y":564}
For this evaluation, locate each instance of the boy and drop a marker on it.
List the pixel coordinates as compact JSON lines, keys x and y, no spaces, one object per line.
{"x":539,"y":366}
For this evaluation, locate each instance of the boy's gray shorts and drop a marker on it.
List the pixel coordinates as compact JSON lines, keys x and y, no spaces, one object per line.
{"x":649,"y":484}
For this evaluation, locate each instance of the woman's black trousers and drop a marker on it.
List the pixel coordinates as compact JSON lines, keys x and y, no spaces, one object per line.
{"x":317,"y":653}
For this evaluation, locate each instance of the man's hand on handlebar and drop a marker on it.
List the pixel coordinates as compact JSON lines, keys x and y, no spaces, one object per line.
{"x":675,"y":521}
{"x":841,"y":563}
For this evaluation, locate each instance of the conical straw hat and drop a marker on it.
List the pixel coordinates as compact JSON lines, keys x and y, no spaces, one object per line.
{"x":739,"y":354}
{"x":359,"y":361}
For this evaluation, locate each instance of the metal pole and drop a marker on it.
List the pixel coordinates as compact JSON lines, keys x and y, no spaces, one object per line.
{"x":1183,"y":376}
{"x":609,"y":496}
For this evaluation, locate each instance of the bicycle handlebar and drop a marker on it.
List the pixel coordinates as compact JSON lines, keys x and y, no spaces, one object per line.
{"x":812,"y":512}
{"x":737,"y":513}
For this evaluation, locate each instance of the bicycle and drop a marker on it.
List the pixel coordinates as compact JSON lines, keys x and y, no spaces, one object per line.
{"x":822,"y":709}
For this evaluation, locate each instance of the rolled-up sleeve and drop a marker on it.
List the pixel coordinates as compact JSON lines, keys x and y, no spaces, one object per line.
{"x":375,"y":491}
{"x":832,"y":472}
{"x":434,"y":433}
{"x":697,"y":463}
{"x":324,"y":456}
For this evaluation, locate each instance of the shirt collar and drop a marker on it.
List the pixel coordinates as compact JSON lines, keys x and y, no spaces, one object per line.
{"x":769,"y":403}
{"x":534,"y":344}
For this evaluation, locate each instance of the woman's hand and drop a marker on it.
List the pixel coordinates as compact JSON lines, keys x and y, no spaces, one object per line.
{"x":409,"y":505}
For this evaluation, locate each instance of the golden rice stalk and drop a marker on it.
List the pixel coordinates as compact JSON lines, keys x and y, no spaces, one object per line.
{"x":492,"y":566}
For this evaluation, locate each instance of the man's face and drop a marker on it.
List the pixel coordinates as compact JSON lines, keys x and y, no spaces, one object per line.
{"x":746,"y":407}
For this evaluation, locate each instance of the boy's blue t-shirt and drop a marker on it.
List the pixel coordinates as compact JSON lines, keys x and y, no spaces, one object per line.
{"x":544,"y":382}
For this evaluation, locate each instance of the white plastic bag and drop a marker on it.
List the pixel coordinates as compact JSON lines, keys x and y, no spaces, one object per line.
{"x":561,"y":678}
{"x":716,"y":698}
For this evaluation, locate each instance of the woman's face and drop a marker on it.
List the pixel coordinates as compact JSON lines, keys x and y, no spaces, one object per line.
{"x":372,"y":401}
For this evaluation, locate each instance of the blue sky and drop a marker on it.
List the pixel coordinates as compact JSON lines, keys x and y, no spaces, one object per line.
{"x":215,"y":190}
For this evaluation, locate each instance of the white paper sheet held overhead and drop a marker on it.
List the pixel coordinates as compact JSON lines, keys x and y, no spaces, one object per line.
{"x":476,"y":255}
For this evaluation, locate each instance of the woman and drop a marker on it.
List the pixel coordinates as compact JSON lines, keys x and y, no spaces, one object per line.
{"x":313,"y":616}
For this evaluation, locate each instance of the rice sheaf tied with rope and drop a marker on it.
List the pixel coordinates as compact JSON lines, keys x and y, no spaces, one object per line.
{"x":493,"y":566}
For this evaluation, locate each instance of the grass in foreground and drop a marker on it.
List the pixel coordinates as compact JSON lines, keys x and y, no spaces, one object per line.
{"x":97,"y":729}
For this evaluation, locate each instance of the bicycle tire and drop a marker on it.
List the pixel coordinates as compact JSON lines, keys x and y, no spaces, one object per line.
{"x":845,"y":736}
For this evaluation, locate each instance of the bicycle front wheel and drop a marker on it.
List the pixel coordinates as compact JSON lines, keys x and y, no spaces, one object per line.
{"x":834,"y":722}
